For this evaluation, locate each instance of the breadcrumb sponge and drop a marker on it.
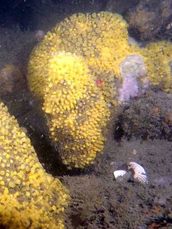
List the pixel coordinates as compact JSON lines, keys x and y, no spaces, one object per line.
{"x":29,"y":197}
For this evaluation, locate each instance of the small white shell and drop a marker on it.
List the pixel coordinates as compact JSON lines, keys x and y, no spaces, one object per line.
{"x":119,"y":173}
{"x":139,"y":172}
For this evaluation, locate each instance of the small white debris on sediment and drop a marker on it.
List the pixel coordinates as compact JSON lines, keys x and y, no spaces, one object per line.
{"x":137,"y":172}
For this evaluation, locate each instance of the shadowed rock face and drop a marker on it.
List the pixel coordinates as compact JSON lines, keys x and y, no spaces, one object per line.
{"x":120,"y":6}
{"x":147,"y":117}
{"x":149,"y":20}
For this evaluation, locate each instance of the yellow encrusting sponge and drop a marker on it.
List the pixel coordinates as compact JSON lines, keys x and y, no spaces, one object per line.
{"x":29,"y":197}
